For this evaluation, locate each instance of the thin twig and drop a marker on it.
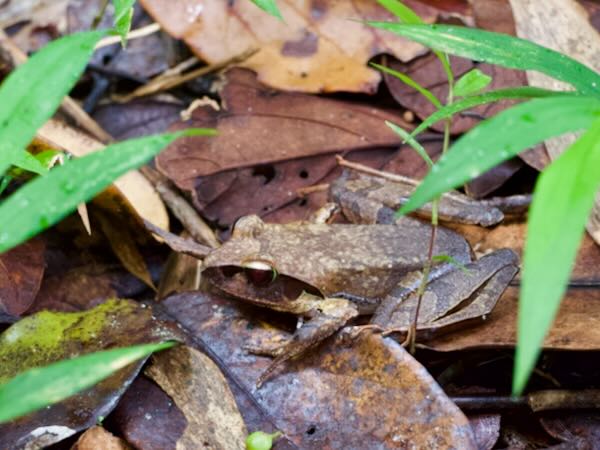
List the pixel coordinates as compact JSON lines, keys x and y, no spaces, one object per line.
{"x":378,"y":173}
{"x":163,"y":83}
{"x":181,"y":209}
{"x":134,"y":34}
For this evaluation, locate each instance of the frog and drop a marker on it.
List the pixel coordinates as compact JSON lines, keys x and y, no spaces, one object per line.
{"x":329,"y":274}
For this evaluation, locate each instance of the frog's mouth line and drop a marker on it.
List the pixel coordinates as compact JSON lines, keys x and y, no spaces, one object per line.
{"x":258,"y":286}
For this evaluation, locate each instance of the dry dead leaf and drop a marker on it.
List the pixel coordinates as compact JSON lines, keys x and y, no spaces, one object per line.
{"x":321,"y":46}
{"x":147,"y":417}
{"x":201,"y":392}
{"x":261,"y":126}
{"x":562,"y":25}
{"x":575,"y":326}
{"x":21,"y":272}
{"x":362,"y":393}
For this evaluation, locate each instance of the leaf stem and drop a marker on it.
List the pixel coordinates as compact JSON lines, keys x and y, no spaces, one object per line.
{"x":411,"y":338}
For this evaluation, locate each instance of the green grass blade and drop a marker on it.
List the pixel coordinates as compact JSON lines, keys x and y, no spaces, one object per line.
{"x":28,"y":162}
{"x":412,"y":83}
{"x":123,"y":16}
{"x":500,"y":49}
{"x":401,"y":11}
{"x":522,"y":92}
{"x":563,"y":198}
{"x":269,"y":6}
{"x":417,"y":147}
{"x":502,"y":137}
{"x":410,"y":17}
{"x":45,"y":200}
{"x":30,"y":95}
{"x":37,"y":388}
{"x":471,"y":82}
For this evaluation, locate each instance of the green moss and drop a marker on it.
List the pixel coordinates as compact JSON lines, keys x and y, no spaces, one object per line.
{"x":46,"y":337}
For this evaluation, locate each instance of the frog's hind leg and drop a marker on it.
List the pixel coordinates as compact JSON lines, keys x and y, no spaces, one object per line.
{"x":329,"y":316}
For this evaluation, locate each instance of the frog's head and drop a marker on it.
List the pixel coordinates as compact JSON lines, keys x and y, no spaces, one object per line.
{"x":252,"y":266}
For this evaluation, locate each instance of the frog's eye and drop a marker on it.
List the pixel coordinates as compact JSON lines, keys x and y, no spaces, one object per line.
{"x":260,"y":273}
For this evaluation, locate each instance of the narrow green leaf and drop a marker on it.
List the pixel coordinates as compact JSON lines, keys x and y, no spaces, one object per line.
{"x":27,"y":161}
{"x":502,"y":137}
{"x":37,"y":388}
{"x":410,"y":17}
{"x":412,"y":83}
{"x":45,"y":200}
{"x":471,"y":82}
{"x":123,"y":16}
{"x":521,"y":92}
{"x":500,"y":49}
{"x":401,"y":11}
{"x":30,"y":95}
{"x":562,"y":201}
{"x":411,"y":141}
{"x":269,"y":6}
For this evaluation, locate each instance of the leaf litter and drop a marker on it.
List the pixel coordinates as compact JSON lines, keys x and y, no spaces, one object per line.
{"x":273,"y":145}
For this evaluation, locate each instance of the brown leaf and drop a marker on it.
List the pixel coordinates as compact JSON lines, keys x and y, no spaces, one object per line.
{"x":147,"y":417}
{"x":376,"y":393}
{"x":201,"y":392}
{"x":577,"y":430}
{"x":428,"y":72}
{"x":306,"y":126}
{"x":574,"y":327}
{"x":317,"y":48}
{"x":137,"y":118}
{"x":261,"y":126}
{"x":512,"y":235}
{"x":486,"y":428}
{"x":21,"y":272}
{"x":98,"y":438}
{"x":124,"y":246}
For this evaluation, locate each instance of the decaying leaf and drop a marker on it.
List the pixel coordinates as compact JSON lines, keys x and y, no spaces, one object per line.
{"x":21,"y":272}
{"x":574,"y":327}
{"x":144,"y":399}
{"x":320,"y":46}
{"x":368,"y":392}
{"x":201,"y":392}
{"x":47,"y":337}
{"x":306,"y":126}
{"x":124,"y":246}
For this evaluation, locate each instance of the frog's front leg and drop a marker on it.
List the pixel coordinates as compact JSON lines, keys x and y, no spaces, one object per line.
{"x":454,"y":298}
{"x":326,"y":317}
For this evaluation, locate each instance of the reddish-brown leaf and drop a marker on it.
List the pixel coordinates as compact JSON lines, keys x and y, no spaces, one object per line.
{"x":21,"y":272}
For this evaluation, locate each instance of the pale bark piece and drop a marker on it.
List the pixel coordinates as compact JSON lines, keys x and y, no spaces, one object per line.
{"x":131,"y":191}
{"x":98,"y":438}
{"x":198,"y":388}
{"x":562,"y":25}
{"x":360,"y":393}
{"x":320,"y":46}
